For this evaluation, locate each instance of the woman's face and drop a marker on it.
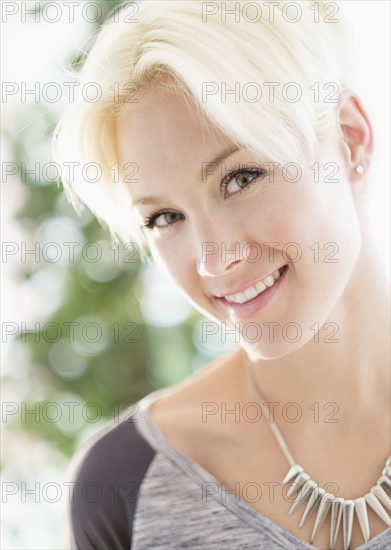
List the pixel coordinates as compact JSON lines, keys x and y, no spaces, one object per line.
{"x":264,"y":254}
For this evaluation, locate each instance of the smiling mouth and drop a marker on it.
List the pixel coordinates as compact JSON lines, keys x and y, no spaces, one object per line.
{"x":255,"y":290}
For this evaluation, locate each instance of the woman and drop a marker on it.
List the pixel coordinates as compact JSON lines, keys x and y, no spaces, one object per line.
{"x":243,"y":155}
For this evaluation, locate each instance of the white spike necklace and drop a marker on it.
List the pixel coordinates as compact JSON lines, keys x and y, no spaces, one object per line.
{"x":341,"y":509}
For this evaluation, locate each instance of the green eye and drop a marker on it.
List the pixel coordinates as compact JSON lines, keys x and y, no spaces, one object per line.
{"x":242,"y":178}
{"x":170,"y":218}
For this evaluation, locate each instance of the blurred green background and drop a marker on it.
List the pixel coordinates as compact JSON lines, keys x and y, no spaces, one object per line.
{"x":92,"y":329}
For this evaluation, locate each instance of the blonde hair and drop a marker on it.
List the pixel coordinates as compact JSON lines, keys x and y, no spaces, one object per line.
{"x":193,"y":43}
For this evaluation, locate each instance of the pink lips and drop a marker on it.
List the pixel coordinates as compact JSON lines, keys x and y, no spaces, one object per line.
{"x":257,"y":303}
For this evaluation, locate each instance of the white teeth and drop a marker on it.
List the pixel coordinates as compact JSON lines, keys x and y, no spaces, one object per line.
{"x":269,"y":281}
{"x":251,"y":292}
{"x":237,"y":298}
{"x":241,"y":298}
{"x":260,"y":287}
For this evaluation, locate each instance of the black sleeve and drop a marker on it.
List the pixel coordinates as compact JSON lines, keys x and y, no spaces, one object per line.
{"x":106,"y":474}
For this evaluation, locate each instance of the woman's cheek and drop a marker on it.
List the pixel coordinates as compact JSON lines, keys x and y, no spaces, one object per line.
{"x":171,"y":261}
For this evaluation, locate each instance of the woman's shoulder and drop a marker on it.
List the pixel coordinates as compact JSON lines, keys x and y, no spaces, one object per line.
{"x":106,"y":472}
{"x":105,"y":475}
{"x":120,"y":446}
{"x":118,"y":442}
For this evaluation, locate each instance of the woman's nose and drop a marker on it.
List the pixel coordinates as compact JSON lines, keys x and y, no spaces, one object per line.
{"x":216,"y":259}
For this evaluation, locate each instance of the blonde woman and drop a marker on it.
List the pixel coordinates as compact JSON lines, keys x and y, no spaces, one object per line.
{"x":244,"y":157}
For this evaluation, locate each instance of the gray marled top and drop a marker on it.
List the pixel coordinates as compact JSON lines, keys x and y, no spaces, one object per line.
{"x":175,"y":510}
{"x":132,"y":489}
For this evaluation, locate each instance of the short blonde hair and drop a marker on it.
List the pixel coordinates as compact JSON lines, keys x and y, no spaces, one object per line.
{"x":198,"y":46}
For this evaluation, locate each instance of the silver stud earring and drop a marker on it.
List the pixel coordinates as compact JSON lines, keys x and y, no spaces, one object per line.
{"x":360,"y":169}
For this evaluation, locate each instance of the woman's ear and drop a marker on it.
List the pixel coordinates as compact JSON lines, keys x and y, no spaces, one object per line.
{"x":357,"y":135}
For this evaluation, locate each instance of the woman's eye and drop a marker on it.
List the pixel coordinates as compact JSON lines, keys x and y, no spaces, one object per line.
{"x":161,"y":219}
{"x":237,"y":181}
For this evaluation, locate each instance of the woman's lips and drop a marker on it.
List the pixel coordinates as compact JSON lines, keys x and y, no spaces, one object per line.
{"x":256,"y":304}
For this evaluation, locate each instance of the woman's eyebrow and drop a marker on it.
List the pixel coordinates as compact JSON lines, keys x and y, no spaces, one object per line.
{"x":153,"y":199}
{"x":208,"y":168}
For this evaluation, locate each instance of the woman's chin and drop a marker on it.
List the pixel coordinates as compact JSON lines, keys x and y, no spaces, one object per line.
{"x":267,"y":351}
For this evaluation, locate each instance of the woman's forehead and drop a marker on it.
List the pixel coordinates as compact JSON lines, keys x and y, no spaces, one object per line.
{"x":164,"y":127}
